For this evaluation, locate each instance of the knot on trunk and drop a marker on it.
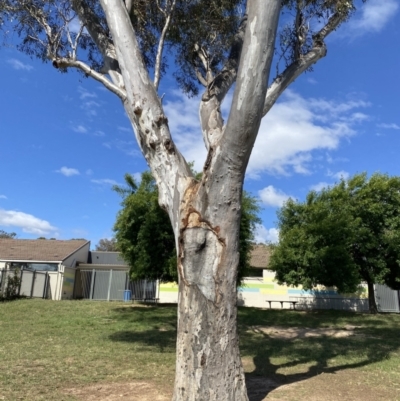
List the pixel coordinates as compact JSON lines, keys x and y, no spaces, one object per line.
{"x":161,"y":119}
{"x":169,"y":145}
{"x":200,"y":255}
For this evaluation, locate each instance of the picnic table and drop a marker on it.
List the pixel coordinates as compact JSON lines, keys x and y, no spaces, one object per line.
{"x":292,"y":303}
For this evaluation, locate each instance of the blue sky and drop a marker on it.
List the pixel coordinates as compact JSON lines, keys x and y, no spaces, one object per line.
{"x":64,"y":140}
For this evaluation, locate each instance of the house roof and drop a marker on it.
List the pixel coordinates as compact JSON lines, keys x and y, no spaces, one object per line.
{"x":260,"y":255}
{"x":38,"y":249}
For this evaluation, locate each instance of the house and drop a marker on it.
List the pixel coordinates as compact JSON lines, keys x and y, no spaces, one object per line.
{"x":47,"y":266}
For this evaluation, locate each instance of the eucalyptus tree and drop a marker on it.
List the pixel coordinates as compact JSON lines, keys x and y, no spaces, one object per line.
{"x":213,"y":44}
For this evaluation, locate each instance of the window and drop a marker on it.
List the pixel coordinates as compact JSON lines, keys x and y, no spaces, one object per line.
{"x":45,"y":267}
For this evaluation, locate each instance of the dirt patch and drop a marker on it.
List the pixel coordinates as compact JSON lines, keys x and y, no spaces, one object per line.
{"x":301,"y":332}
{"x":126,"y":391}
{"x":346,"y":385}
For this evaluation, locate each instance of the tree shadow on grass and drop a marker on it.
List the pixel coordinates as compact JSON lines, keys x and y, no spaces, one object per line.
{"x":159,"y":339}
{"x":311,"y":356}
{"x":306,"y":356}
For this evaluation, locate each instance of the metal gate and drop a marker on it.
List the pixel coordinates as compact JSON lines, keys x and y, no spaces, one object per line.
{"x":34,"y":284}
{"x":387,"y":299}
{"x":110,"y":285}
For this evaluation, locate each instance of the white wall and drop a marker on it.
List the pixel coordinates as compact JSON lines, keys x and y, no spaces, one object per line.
{"x":81,"y":255}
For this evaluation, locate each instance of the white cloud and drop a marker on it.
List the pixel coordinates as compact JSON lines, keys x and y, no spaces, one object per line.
{"x":375,"y":14}
{"x":89,"y":171}
{"x":339,"y":175}
{"x":295,"y":128}
{"x":80,"y":129}
{"x":84,"y":93}
{"x":27,"y":222}
{"x":263,"y":234}
{"x":184,"y":123}
{"x":68,"y":172}
{"x":389,"y":126}
{"x":18,"y":65}
{"x":124,"y":129}
{"x":271,"y":196}
{"x":3,"y":197}
{"x":105,"y":181}
{"x":318,"y":187}
{"x":290,"y":133}
{"x":99,"y":133}
{"x":90,"y":108}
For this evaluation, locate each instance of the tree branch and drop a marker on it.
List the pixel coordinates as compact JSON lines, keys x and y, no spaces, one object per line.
{"x":303,"y":63}
{"x":224,"y":80}
{"x":128,"y":5}
{"x":91,"y":21}
{"x":157,"y":68}
{"x":210,"y":106}
{"x":143,"y":106}
{"x":67,"y":63}
{"x":251,"y":86}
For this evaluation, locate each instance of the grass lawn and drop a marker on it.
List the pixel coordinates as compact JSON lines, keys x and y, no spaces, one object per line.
{"x":47,"y":348}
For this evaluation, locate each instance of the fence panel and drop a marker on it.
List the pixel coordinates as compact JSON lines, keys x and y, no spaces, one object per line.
{"x":39,"y":285}
{"x":387,"y":299}
{"x":118,"y":282}
{"x":85,"y":281}
{"x":143,"y":289}
{"x":27,"y":282}
{"x":338,"y":303}
{"x":111,"y":284}
{"x":100,"y":287}
{"x":33,"y":284}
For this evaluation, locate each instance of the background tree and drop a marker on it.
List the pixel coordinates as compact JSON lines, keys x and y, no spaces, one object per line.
{"x":145,"y":237}
{"x":342,"y":236}
{"x":4,"y":234}
{"x":107,"y":245}
{"x":143,"y":231}
{"x":120,"y":44}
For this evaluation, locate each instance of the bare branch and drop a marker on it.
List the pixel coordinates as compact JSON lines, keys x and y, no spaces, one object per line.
{"x":303,"y":63}
{"x":224,"y":80}
{"x":128,"y":5}
{"x":200,"y":77}
{"x":67,"y":63}
{"x":90,"y":20}
{"x":157,"y":68}
{"x":78,"y":35}
{"x":210,"y":106}
{"x":145,"y":111}
{"x":290,"y":74}
{"x":255,"y":62}
{"x":160,"y":8}
{"x":94,"y":27}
